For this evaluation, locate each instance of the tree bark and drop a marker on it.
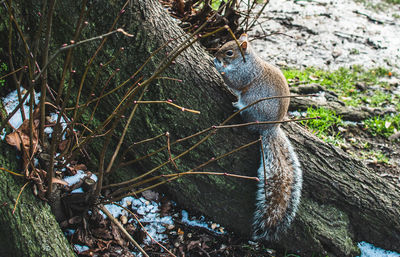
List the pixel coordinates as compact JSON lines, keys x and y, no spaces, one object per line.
{"x":343,"y":201}
{"x":32,"y":229}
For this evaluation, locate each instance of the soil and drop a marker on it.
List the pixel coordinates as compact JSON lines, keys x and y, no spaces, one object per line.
{"x":329,"y":34}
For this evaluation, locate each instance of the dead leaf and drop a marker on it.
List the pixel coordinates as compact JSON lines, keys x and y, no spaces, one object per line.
{"x":21,"y":137}
{"x":80,"y":167}
{"x":193,"y":244}
{"x":123,"y":219}
{"x":150,"y":195}
{"x":63,"y":145}
{"x":165,"y":207}
{"x":117,"y":235}
{"x":59,"y":181}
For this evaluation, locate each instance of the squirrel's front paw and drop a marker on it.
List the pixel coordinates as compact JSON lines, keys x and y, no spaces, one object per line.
{"x":238,"y":105}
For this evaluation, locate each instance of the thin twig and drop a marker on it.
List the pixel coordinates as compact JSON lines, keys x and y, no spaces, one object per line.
{"x":169,"y":151}
{"x":12,"y":72}
{"x":66,"y":47}
{"x":174,"y":176}
{"x":122,"y":137}
{"x":12,"y":172}
{"x":140,"y":142}
{"x":263,"y":122}
{"x":19,"y":196}
{"x":192,"y":170}
{"x":43,"y":90}
{"x":123,"y":230}
{"x":167,"y":102}
{"x":143,"y":228}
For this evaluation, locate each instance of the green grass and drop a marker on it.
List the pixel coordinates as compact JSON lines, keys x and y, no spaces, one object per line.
{"x":383,"y":125}
{"x":345,"y":82}
{"x":379,"y":6}
{"x":375,"y":156}
{"x":326,"y":126}
{"x":342,"y":81}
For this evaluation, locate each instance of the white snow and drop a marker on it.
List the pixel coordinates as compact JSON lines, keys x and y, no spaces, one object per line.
{"x":11,"y":101}
{"x":81,"y":248}
{"x":71,"y":180}
{"x":3,"y":134}
{"x":369,"y":250}
{"x":198,"y":223}
{"x":149,"y":211}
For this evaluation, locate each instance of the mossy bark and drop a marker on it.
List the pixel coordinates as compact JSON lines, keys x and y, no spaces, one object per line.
{"x":32,"y":229}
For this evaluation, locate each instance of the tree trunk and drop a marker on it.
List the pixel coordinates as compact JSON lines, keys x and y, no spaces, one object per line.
{"x":343,"y":201}
{"x":32,"y":230}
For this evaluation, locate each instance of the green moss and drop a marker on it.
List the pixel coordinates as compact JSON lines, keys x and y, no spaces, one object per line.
{"x":3,"y":71}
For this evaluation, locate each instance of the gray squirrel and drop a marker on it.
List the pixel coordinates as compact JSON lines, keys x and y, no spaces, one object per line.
{"x":278,"y":195}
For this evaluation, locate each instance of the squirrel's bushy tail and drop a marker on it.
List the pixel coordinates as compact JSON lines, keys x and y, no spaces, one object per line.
{"x":279,"y":194}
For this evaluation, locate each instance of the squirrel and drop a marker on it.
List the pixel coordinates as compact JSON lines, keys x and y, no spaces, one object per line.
{"x":251,"y":78}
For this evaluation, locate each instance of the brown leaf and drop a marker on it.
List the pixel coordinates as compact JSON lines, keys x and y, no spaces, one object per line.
{"x":117,"y":235}
{"x":59,"y":181}
{"x":80,"y":167}
{"x":82,"y":237}
{"x":150,"y":195}
{"x":193,"y":244}
{"x":21,"y":137}
{"x":102,"y":233}
{"x":62,"y":145}
{"x":165,"y":207}
{"x":13,"y":139}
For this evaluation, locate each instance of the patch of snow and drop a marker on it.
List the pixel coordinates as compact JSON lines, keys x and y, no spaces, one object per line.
{"x":11,"y":101}
{"x":149,"y":212}
{"x":298,"y":114}
{"x":369,"y":250}
{"x":54,"y":118}
{"x":69,"y":232}
{"x":3,"y":134}
{"x":81,"y":248}
{"x":197,"y":223}
{"x":78,"y":190}
{"x":71,"y":180}
{"x":48,"y":130}
{"x":115,"y":210}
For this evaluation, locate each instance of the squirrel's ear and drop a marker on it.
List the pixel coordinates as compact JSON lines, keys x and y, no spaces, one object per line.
{"x":243,"y":45}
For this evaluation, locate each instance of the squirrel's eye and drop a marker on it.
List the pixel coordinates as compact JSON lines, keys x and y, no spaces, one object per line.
{"x":229,"y":53}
